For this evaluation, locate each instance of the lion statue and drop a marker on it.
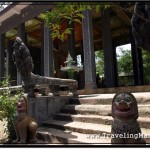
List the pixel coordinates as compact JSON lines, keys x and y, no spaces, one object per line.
{"x":125,"y":128}
{"x":24,"y":125}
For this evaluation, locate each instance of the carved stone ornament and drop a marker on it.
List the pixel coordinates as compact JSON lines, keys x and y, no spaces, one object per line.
{"x":24,"y":125}
{"x":125,"y":125}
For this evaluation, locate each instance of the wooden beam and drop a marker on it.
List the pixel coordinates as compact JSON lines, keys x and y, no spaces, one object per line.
{"x":121,"y":14}
{"x":27,"y":13}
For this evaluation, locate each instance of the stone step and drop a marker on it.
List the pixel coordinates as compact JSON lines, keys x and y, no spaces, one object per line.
{"x":84,"y":118}
{"x":56,"y":136}
{"x":86,"y":128}
{"x":94,"y":99}
{"x":87,"y":109}
{"x":144,"y":110}
{"x":90,"y":129}
{"x":107,"y":120}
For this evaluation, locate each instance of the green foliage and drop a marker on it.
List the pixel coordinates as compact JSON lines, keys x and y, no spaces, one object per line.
{"x":99,"y":56}
{"x":70,"y":12}
{"x":8,"y":107}
{"x":59,"y":15}
{"x":125,"y":66}
{"x":146,"y":66}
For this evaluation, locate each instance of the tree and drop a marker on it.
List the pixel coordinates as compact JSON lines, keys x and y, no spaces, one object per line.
{"x":99,"y":58}
{"x":68,"y":12}
{"x":125,"y":66}
{"x":146,"y":65}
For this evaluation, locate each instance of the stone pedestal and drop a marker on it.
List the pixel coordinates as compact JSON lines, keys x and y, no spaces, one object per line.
{"x":43,"y":108}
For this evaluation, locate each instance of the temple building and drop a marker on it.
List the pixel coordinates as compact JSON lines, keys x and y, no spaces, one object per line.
{"x":104,"y":30}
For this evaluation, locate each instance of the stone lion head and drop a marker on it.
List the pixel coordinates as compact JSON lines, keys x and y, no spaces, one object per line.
{"x":124,"y":105}
{"x":22,"y":104}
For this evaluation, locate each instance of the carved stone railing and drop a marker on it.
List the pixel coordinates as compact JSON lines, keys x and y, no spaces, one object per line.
{"x":50,"y":86}
{"x":54,"y":85}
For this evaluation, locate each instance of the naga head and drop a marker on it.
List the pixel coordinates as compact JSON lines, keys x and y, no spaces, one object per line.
{"x":124,"y":105}
{"x":17,"y":42}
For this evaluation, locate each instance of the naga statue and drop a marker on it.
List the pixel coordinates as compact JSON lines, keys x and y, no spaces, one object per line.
{"x":24,"y":125}
{"x":24,"y":64}
{"x":140,"y":22}
{"x":125,"y":114}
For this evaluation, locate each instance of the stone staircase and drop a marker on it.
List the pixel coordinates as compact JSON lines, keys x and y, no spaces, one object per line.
{"x":87,"y":119}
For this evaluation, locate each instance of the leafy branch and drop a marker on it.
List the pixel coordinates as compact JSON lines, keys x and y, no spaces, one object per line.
{"x":68,"y":12}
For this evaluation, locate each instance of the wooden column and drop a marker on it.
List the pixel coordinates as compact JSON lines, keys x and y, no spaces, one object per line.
{"x":12,"y":68}
{"x":109,"y":62}
{"x":71,"y":42}
{"x":2,"y":56}
{"x":141,"y":70}
{"x":42,"y":50}
{"x":48,"y":52}
{"x":88,"y":48}
{"x":115,"y":64}
{"x":137,"y":63}
{"x":7,"y":62}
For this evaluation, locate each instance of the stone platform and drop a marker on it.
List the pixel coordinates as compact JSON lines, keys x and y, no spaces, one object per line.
{"x":43,"y":108}
{"x":132,"y":89}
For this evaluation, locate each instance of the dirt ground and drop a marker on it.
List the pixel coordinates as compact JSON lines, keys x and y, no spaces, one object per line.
{"x":2,"y":134}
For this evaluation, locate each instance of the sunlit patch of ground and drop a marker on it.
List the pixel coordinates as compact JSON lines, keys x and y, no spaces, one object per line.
{"x":3,"y":135}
